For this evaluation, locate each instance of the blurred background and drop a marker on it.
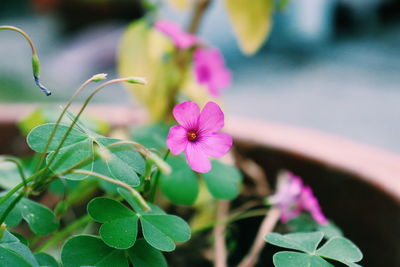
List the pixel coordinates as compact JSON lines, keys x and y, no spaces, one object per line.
{"x":331,"y":65}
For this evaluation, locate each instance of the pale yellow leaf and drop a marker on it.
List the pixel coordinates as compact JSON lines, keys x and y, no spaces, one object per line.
{"x":143,"y":52}
{"x":251,"y":21}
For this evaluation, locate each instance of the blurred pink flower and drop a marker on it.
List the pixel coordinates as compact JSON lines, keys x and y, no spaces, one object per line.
{"x":210,"y":70}
{"x":181,"y":39}
{"x":292,"y":197}
{"x":198,"y":134}
{"x":310,"y":203}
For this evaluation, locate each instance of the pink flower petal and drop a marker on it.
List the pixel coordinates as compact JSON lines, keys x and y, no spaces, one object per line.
{"x":210,"y":70}
{"x":197,"y":159}
{"x":216,"y":145}
{"x":310,"y":203}
{"x":181,"y":39}
{"x":187,"y":114}
{"x":211,"y":118}
{"x":177,"y":139}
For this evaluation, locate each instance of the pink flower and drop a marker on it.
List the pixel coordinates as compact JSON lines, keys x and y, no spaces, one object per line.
{"x":292,"y":197}
{"x":181,"y":39}
{"x":198,"y":134}
{"x":310,"y":203}
{"x":210,"y":70}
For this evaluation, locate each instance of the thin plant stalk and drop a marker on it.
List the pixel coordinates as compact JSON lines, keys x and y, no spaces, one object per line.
{"x":267,"y":225}
{"x":119,"y":80}
{"x":134,"y":193}
{"x":53,"y":132}
{"x":156,"y":179}
{"x":16,"y":188}
{"x":35,"y":58}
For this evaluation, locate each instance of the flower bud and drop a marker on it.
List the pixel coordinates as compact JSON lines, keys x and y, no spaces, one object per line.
{"x":136,"y":80}
{"x":35,"y":65}
{"x":99,"y":77}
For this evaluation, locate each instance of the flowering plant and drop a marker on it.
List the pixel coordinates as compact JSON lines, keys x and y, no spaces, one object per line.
{"x":135,"y":191}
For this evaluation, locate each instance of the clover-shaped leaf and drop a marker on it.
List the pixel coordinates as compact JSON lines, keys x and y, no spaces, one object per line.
{"x":41,"y":219}
{"x":14,"y":253}
{"x":223,"y":181}
{"x":337,"y":248}
{"x":161,"y":230}
{"x":119,"y":227}
{"x":181,"y":185}
{"x":122,"y":164}
{"x":87,"y":250}
{"x":144,"y":255}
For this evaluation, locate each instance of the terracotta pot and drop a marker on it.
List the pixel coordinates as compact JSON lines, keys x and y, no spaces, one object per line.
{"x":357,"y":185}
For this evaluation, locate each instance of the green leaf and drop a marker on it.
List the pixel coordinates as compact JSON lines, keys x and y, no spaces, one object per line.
{"x":306,"y":242}
{"x":14,"y":217}
{"x":296,"y":259}
{"x":10,"y":258}
{"x":119,"y":229}
{"x":152,"y":136}
{"x":124,"y":162}
{"x":38,"y":137}
{"x":41,"y":219}
{"x":45,"y":260}
{"x":251,"y":21}
{"x":14,"y":253}
{"x":87,"y":250}
{"x":181,"y":185}
{"x":340,"y":249}
{"x":9,"y":175}
{"x":160,"y":231}
{"x":144,"y":255}
{"x":71,"y":155}
{"x":223,"y":181}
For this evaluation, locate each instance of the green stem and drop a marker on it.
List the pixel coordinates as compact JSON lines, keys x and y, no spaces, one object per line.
{"x":156,"y":179}
{"x":53,"y":132}
{"x":60,"y":235}
{"x":16,"y":188}
{"x":26,"y":36}
{"x":35,"y":58}
{"x":200,"y":8}
{"x":134,"y":193}
{"x":128,"y":79}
